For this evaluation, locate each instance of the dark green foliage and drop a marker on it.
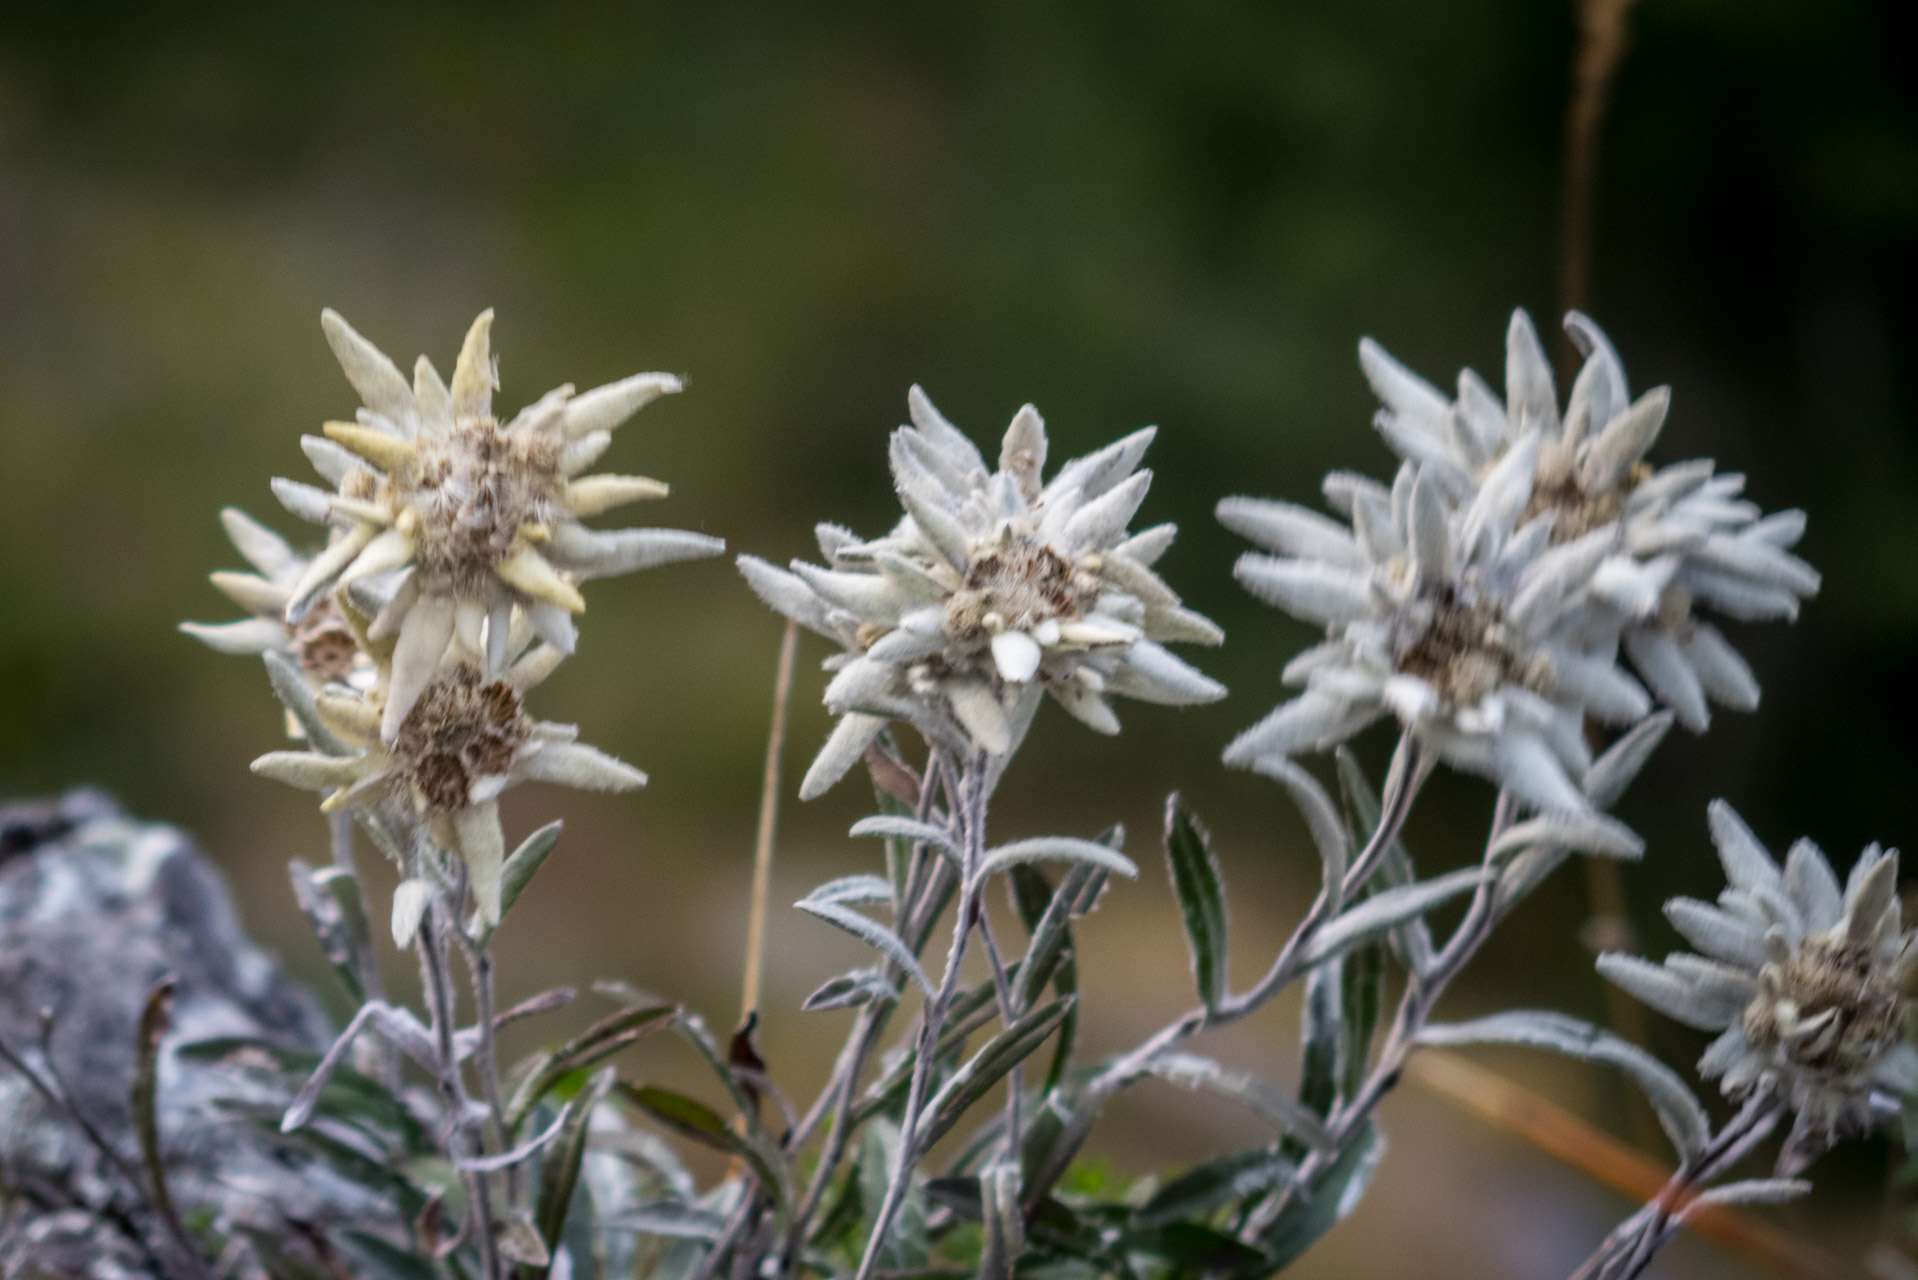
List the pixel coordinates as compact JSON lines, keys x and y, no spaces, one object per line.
{"x":1201,"y":892}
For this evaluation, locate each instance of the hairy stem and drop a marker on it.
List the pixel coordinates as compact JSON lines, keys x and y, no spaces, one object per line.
{"x":925,"y":886}
{"x":974,"y":794}
{"x":1629,"y":1249}
{"x":436,"y":984}
{"x":1402,"y":784}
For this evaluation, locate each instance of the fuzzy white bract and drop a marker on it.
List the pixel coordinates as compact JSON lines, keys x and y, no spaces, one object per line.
{"x":473,"y":518}
{"x":995,"y":586}
{"x":466,"y":739}
{"x":1464,"y":621}
{"x":1688,"y":540}
{"x":1803,"y":981}
{"x":324,"y":644}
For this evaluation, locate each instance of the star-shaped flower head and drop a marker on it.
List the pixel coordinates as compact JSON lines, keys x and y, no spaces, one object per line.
{"x":995,"y":586}
{"x":466,"y":739}
{"x":1464,"y":621}
{"x":478,"y":516}
{"x":1803,"y":982}
{"x":323,"y":645}
{"x":1689,"y":539}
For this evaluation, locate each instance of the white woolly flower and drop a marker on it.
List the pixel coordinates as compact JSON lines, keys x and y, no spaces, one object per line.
{"x":1462,"y":620}
{"x":1804,"y":983}
{"x":1688,"y":539}
{"x":324,"y":644}
{"x":994,"y":586}
{"x":477,"y":516}
{"x":465,"y":740}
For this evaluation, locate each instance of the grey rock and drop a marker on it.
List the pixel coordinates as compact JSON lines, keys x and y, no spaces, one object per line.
{"x":96,"y":908}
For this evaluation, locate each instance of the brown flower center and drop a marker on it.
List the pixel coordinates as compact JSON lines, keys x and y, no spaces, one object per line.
{"x":462,"y":729}
{"x":475,"y":487}
{"x":323,"y":644}
{"x":1016,"y":585}
{"x":1557,"y":490}
{"x":1458,"y":643}
{"x":1827,"y":975}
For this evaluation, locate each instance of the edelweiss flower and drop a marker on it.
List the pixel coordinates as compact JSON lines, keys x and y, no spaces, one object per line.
{"x":466,"y":739}
{"x":481,"y":516}
{"x":1687,"y":540}
{"x":993,"y":587}
{"x":323,"y":644}
{"x":1804,"y":983}
{"x":1459,"y":620}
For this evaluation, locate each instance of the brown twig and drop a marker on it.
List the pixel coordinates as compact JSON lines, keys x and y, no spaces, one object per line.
{"x":1516,"y":1109}
{"x":1601,"y":47}
{"x":768,"y":819}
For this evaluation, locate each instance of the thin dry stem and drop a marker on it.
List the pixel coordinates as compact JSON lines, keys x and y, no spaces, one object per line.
{"x":768,"y":821}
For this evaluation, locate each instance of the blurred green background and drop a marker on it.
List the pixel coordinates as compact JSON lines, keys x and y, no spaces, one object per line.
{"x":1127,"y":213}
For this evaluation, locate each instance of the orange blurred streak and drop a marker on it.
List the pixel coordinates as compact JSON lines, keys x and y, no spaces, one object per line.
{"x":1550,"y":1127}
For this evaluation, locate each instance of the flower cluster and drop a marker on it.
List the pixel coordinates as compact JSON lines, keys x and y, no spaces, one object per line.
{"x":324,"y":644}
{"x":1803,"y":982}
{"x":1483,"y":599}
{"x":1686,"y":537}
{"x":993,"y":587}
{"x":446,"y":590}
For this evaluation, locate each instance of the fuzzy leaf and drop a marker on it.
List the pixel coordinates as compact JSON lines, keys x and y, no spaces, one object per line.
{"x":902,"y":828}
{"x":1412,"y":941}
{"x":1678,"y":1111}
{"x":1271,"y":1103}
{"x":1337,"y":1192}
{"x":1203,"y":1188}
{"x":1382,"y":911}
{"x":1058,"y":849}
{"x":979,"y":1073}
{"x":860,"y":888}
{"x":1585,"y":832}
{"x":520,"y":864}
{"x":1200,"y":888}
{"x":861,"y":986}
{"x":291,"y":689}
{"x":595,"y":1044}
{"x":559,"y":1173}
{"x":873,"y":934}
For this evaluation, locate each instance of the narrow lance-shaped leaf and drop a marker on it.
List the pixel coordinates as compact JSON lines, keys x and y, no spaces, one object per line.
{"x":559,"y":1174}
{"x":979,"y":1073}
{"x":860,"y":888}
{"x":894,"y":827}
{"x":873,"y":934}
{"x":146,"y":1086}
{"x":1058,"y":849}
{"x":1201,"y":891}
{"x":1364,"y":975}
{"x":517,"y":872}
{"x":290,"y":687}
{"x":1203,"y":1188}
{"x":1271,"y":1103}
{"x":1382,"y":911}
{"x":1321,"y":819}
{"x":1678,"y":1111}
{"x":324,"y":913}
{"x":1320,"y":1036}
{"x":595,"y":1044}
{"x":1412,"y":941}
{"x":1049,"y":954}
{"x":1005,"y":1233}
{"x":861,"y":986}
{"x":1317,"y":1209}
